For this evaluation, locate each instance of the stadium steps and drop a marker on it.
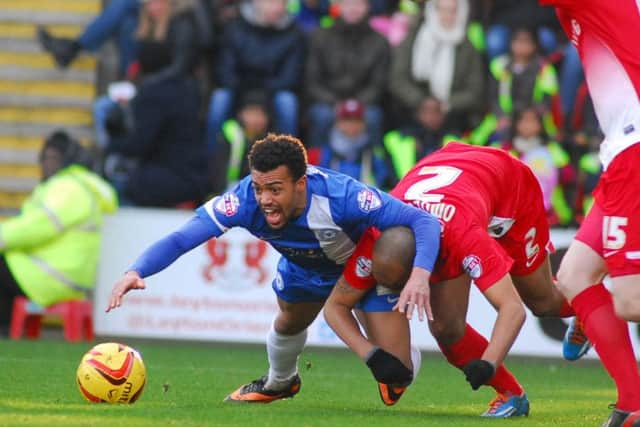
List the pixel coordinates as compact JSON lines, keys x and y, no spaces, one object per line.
{"x":36,"y":97}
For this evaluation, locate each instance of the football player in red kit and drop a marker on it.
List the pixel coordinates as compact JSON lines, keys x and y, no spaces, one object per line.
{"x":608,"y":241}
{"x":494,"y":232}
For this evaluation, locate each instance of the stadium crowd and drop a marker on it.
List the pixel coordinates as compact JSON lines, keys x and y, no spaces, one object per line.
{"x":371,"y":86}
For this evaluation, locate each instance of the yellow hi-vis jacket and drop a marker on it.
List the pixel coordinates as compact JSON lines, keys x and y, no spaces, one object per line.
{"x":52,"y":247}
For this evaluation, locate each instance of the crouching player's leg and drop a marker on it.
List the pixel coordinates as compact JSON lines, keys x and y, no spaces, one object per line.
{"x":466,"y":349}
{"x":387,"y":351}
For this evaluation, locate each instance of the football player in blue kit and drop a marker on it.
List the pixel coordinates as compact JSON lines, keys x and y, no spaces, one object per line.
{"x":314,"y":218}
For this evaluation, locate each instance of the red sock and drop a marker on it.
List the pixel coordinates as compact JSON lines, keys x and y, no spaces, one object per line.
{"x":566,"y":310}
{"x":471,"y":346}
{"x":610,"y":337}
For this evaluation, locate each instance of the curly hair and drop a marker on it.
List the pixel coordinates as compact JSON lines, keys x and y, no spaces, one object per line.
{"x":277,"y":149}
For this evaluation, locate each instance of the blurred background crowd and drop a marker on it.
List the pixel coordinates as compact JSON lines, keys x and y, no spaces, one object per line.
{"x":370,"y":86}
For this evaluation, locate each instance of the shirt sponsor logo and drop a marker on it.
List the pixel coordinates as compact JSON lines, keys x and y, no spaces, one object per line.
{"x":368,"y":201}
{"x":363,"y":267}
{"x":472,"y":266}
{"x":443,"y":211}
{"x":228,"y":204}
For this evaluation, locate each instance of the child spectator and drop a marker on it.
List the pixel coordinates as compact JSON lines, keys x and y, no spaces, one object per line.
{"x":350,"y":149}
{"x":519,"y":80}
{"x":407,"y":145}
{"x":230,"y":162}
{"x":506,"y":15}
{"x":549,"y":162}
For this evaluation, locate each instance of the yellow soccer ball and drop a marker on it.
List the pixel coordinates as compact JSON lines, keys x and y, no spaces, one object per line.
{"x":111,"y":373}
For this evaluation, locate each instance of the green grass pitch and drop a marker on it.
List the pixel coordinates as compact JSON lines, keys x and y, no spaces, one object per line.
{"x":187,"y":383}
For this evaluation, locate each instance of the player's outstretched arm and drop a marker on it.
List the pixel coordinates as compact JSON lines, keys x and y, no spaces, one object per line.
{"x":131,"y":280}
{"x":161,"y":254}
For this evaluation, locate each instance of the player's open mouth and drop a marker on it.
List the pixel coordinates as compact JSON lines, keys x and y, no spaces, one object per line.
{"x":274,"y":217}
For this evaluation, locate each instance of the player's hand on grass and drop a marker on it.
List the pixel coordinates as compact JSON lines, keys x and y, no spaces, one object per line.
{"x":131,"y":280}
{"x":415,"y":295}
{"x":478,"y":372}
{"x":388,"y":369}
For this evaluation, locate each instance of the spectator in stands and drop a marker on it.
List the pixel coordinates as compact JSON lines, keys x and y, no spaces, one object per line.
{"x":172,"y":24}
{"x":120,"y":20}
{"x":437,"y":59}
{"x":169,"y":26}
{"x":262,"y":49}
{"x":506,"y":15}
{"x":548,"y":160}
{"x":350,"y":148}
{"x":158,"y":135}
{"x":229,"y":161}
{"x":347,"y":60}
{"x":519,"y":80}
{"x":427,"y":133}
{"x":50,"y":251}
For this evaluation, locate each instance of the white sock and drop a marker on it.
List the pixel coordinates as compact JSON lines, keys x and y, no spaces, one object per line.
{"x":416,"y":361}
{"x":283,"y":352}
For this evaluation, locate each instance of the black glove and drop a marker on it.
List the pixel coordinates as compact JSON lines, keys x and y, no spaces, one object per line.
{"x":387,"y":368}
{"x":478,"y":372}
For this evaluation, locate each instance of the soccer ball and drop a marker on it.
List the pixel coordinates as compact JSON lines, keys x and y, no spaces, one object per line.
{"x":111,"y":373}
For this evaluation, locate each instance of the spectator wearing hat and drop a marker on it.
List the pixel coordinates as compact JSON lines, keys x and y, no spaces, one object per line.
{"x":229,"y":162}
{"x":350,"y":149}
{"x":335,"y":72}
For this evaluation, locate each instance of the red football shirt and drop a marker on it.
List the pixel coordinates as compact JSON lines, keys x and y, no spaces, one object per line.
{"x":470,"y":191}
{"x":606,"y":35}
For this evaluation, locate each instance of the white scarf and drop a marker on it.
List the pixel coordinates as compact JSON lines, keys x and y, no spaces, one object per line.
{"x":434,"y":49}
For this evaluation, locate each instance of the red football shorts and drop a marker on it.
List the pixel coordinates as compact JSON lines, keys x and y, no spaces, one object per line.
{"x":528,"y":242}
{"x":612,"y":227}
